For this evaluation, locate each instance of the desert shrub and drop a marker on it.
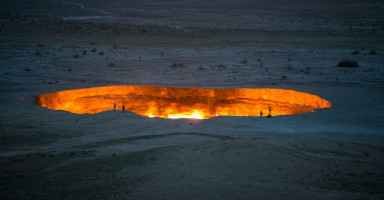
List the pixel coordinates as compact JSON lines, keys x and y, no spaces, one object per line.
{"x":101,"y":53}
{"x":284,"y":77}
{"x":111,"y":64}
{"x":201,"y":68}
{"x":76,"y":56}
{"x":94,"y":50}
{"x":84,"y":52}
{"x":244,"y":62}
{"x":304,"y":71}
{"x":289,"y":68}
{"x":356,"y":52}
{"x":177,"y":65}
{"x":348,"y":63}
{"x":28,"y":69}
{"x":372,"y":53}
{"x":218,"y":67}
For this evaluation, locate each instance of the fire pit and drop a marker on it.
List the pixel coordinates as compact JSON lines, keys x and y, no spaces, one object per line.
{"x":170,"y":102}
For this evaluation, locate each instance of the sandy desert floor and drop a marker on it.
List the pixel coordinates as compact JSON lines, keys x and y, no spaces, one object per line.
{"x":335,"y":153}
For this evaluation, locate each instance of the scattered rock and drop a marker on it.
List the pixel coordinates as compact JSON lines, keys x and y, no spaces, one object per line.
{"x":372,"y":53}
{"x":348,"y":63}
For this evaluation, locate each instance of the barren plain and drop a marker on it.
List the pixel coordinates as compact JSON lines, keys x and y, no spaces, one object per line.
{"x":49,"y":46}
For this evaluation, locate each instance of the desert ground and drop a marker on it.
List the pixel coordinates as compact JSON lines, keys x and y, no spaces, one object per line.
{"x":49,"y":46}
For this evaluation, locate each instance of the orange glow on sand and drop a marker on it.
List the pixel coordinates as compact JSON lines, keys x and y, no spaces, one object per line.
{"x":197,"y":103}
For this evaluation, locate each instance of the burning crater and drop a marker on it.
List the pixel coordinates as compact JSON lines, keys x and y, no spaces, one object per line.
{"x":168,"y":102}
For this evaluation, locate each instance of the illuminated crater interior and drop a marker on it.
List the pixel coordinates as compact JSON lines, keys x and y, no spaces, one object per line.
{"x":168,"y":102}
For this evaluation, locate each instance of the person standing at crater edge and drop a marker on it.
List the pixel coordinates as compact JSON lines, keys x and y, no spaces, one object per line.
{"x":269,"y":114}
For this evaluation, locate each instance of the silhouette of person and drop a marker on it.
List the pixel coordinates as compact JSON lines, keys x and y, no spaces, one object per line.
{"x":269,"y":114}
{"x":261,"y":113}
{"x":114,"y":106}
{"x":123,"y":108}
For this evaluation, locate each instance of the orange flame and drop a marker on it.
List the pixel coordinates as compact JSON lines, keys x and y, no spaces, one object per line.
{"x":198,"y":103}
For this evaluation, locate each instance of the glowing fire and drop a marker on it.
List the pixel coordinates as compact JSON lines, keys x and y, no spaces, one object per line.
{"x":196,"y":114}
{"x":197,"y":103}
